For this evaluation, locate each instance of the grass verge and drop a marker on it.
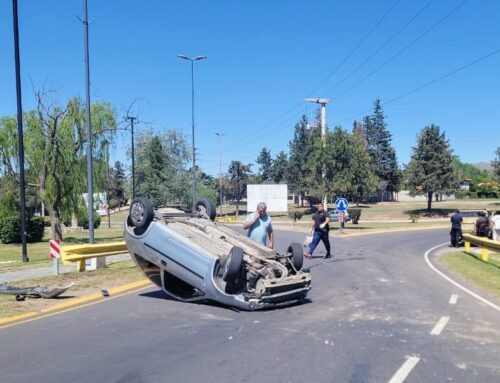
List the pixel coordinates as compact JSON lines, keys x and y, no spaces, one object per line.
{"x":471,"y":268}
{"x":85,"y":283}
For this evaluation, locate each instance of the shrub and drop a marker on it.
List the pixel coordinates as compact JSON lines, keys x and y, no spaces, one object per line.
{"x":83,"y":220}
{"x":10,"y":229}
{"x":295,"y":215}
{"x":355,"y":215}
{"x":414,"y":218}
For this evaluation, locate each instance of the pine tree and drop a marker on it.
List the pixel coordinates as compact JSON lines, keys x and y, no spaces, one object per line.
{"x":383,"y":156}
{"x":430,"y":169}
{"x":116,"y":186}
{"x":496,"y":165}
{"x":301,"y":149}
{"x":279,"y":169}
{"x":266,"y":162}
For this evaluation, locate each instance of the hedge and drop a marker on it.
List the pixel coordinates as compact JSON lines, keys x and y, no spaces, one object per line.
{"x":10,"y":229}
{"x":355,"y":214}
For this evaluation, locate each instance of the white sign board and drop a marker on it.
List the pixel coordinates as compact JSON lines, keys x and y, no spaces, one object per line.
{"x":275,"y":197}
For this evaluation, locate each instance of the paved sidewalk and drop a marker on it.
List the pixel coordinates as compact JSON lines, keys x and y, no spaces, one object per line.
{"x":44,"y":271}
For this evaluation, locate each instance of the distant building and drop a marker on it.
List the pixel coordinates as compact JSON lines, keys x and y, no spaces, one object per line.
{"x":465,"y":184}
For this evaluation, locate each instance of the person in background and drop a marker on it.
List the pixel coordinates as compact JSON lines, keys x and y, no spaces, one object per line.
{"x":482,"y":224}
{"x":259,"y":226}
{"x":456,"y":228}
{"x":320,"y":230}
{"x":495,"y":226}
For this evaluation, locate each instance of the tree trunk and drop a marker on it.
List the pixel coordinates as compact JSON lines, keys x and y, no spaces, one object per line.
{"x":429,"y":201}
{"x":237,"y":208}
{"x":55,"y":223}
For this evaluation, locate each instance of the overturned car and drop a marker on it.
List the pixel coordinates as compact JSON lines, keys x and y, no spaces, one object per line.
{"x":193,"y":258}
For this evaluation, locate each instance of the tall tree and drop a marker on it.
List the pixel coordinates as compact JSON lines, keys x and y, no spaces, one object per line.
{"x":496,"y":165}
{"x":266,"y":162}
{"x":383,"y":155}
{"x":55,"y":150}
{"x":116,"y":186}
{"x":279,"y":169}
{"x":238,"y":173}
{"x":301,"y":149}
{"x":430,"y":169}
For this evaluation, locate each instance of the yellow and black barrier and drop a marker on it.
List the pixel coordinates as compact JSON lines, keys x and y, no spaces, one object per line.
{"x":485,"y":244}
{"x":80,"y":253}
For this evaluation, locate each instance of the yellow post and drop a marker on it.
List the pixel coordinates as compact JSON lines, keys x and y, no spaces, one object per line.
{"x":467,"y":246}
{"x":484,"y":254}
{"x":81,"y":265}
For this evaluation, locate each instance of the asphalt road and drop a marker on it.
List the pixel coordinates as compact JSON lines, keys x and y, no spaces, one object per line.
{"x":377,"y":313}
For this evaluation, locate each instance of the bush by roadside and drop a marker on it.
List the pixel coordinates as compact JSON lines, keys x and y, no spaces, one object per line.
{"x":10,"y":229}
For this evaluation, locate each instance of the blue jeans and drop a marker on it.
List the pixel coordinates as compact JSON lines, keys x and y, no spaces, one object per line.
{"x":319,"y":236}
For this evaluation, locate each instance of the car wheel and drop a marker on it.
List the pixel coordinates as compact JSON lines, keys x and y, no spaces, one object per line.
{"x":297,"y":255}
{"x":234,"y":263}
{"x":141,"y":212}
{"x":209,"y":207}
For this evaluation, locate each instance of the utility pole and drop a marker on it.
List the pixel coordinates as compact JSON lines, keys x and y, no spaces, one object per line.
{"x":20,"y":138}
{"x":220,"y":135}
{"x":322,"y":102}
{"x":90,"y":186}
{"x":132,"y":119}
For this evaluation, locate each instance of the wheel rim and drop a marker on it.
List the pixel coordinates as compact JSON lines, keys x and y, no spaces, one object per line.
{"x":137,"y":212}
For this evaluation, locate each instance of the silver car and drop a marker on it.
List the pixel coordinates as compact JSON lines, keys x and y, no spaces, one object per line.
{"x":193,"y":258}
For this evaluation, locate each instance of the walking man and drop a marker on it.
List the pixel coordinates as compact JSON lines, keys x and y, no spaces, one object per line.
{"x":495,"y":222}
{"x":456,"y":228}
{"x":259,"y":226}
{"x":320,"y":231}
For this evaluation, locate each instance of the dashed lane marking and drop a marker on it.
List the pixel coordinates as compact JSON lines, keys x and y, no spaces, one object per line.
{"x":404,"y":370}
{"x":440,"y":325}
{"x":478,"y":297}
{"x":453,"y":299}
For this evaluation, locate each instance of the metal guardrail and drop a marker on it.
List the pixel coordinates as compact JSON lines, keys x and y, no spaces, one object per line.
{"x":484,"y":243}
{"x":80,"y":253}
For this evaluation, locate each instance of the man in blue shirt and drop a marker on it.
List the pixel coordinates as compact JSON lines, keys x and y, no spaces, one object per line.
{"x":259,"y":226}
{"x":456,"y":228}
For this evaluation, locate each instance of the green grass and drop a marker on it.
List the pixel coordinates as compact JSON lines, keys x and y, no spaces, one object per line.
{"x":471,"y":268}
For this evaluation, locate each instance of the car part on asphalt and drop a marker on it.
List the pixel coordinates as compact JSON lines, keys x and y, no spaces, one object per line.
{"x":193,"y":258}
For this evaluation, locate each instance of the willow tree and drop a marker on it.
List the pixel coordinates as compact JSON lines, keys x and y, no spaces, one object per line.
{"x":55,"y":149}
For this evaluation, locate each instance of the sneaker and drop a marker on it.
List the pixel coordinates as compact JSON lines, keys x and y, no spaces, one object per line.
{"x":328,"y":256}
{"x":307,"y":255}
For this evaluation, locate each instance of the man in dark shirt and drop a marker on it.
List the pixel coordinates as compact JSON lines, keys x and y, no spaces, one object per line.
{"x":482,"y":224}
{"x":320,"y":230}
{"x":456,"y":228}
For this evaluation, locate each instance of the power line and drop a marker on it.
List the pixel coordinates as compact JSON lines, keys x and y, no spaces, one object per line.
{"x":401,"y":51}
{"x":456,"y":70}
{"x":365,"y":37}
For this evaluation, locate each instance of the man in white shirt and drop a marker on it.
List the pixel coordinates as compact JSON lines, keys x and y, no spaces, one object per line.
{"x":495,"y":226}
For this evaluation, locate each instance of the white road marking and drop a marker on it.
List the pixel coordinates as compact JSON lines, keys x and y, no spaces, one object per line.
{"x":440,"y":326}
{"x":478,"y":297}
{"x":404,"y":370}
{"x":453,"y":299}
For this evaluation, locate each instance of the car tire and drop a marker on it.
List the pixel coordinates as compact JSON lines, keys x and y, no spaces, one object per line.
{"x":209,"y":207}
{"x":297,"y":255}
{"x":141,"y":212}
{"x":234,"y":263}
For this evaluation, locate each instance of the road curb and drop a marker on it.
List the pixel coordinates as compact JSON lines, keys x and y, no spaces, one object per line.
{"x":75,"y":303}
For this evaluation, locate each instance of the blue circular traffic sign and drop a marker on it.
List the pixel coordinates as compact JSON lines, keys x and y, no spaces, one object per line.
{"x":341,"y":204}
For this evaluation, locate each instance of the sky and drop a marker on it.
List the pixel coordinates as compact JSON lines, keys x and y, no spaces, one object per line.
{"x":429,"y":62}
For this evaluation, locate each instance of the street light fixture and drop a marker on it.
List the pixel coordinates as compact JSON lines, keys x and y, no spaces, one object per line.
{"x":193,"y":170}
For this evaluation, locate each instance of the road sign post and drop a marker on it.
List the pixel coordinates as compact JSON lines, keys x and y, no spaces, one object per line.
{"x":55,"y":253}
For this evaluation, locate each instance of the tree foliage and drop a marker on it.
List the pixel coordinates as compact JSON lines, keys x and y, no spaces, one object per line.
{"x":430,"y":169}
{"x":55,"y":141}
{"x":266,"y":162}
{"x":496,"y":165}
{"x":383,"y":156}
{"x":116,"y":186}
{"x":239,"y":174}
{"x":279,"y":169}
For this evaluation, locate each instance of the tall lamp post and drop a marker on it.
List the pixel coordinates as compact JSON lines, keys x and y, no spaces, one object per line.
{"x":20,"y":133}
{"x":220,"y":135}
{"x":192,"y":60}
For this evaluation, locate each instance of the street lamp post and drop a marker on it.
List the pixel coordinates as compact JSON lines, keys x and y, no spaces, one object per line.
{"x":193,"y":170}
{"x":220,"y":135}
